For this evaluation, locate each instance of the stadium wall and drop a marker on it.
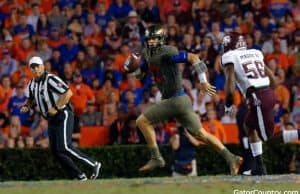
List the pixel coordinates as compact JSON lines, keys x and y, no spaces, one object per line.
{"x":123,"y":161}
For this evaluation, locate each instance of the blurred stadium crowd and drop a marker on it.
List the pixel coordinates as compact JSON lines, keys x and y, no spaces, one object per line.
{"x":86,"y":42}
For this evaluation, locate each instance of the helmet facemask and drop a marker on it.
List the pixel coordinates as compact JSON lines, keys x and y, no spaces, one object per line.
{"x":157,"y":36}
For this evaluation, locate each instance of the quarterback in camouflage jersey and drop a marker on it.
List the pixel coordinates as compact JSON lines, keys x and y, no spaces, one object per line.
{"x":162,"y":61}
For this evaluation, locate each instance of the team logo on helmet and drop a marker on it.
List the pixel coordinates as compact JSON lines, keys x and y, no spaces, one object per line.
{"x":233,"y":41}
{"x":226,"y":40}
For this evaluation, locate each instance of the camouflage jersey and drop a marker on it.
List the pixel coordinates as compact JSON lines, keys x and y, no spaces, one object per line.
{"x":165,"y":72}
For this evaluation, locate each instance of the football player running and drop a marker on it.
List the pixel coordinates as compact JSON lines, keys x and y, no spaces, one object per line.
{"x":246,"y":69}
{"x":162,"y":61}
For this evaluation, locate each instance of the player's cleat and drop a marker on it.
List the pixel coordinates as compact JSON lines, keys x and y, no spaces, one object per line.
{"x":152,"y":164}
{"x":247,"y":173}
{"x":82,"y":177}
{"x":235,"y":165}
{"x":96,"y":170}
{"x":259,"y":171}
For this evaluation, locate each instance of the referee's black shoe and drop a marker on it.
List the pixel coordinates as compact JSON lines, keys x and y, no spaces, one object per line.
{"x":96,"y":170}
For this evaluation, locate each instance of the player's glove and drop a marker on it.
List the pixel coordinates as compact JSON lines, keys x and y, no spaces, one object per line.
{"x":229,"y":110}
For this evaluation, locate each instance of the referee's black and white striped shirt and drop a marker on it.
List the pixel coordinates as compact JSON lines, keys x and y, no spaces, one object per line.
{"x":46,"y":91}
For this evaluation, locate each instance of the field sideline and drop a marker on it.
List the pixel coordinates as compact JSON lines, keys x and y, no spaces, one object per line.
{"x":221,"y":184}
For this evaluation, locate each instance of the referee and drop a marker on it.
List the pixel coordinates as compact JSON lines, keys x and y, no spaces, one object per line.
{"x":52,"y":95}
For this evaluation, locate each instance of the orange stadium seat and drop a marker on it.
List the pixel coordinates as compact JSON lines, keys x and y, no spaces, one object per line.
{"x":232,"y":133}
{"x":93,"y":136}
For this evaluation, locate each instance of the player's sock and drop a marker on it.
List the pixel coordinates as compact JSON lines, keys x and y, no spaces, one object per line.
{"x":256,"y":149}
{"x":249,"y":162}
{"x":232,"y":160}
{"x":229,"y":157}
{"x":290,"y":135}
{"x":155,"y":153}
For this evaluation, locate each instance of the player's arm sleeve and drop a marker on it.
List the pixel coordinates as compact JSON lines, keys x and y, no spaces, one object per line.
{"x":180,"y":57}
{"x":198,"y":66}
{"x":57,"y":85}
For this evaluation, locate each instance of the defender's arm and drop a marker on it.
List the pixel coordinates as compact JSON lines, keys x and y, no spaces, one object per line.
{"x":271,"y":76}
{"x":229,"y":83}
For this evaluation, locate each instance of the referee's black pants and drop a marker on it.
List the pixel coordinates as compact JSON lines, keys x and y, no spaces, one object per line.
{"x":60,"y":128}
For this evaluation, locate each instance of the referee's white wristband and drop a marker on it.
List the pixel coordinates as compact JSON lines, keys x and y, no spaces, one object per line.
{"x":202,"y":77}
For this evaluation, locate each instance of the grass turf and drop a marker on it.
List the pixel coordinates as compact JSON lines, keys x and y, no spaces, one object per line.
{"x":276,"y":184}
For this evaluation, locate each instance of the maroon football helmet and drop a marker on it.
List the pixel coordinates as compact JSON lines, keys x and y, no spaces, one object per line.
{"x":232,"y":41}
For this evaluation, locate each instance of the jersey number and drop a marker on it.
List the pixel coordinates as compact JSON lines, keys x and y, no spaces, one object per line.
{"x":254,"y":70}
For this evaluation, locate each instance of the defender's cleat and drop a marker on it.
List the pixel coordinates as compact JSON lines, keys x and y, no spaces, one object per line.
{"x":259,"y":171}
{"x":152,"y":164}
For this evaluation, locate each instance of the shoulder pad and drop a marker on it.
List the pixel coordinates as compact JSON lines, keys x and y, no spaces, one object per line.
{"x":227,"y":57}
{"x":168,"y":50}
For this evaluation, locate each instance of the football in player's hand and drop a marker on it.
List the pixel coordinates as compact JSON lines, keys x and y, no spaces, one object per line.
{"x":133,"y":62}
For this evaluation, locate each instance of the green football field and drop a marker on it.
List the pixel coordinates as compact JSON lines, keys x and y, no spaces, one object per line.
{"x":277,"y":184}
